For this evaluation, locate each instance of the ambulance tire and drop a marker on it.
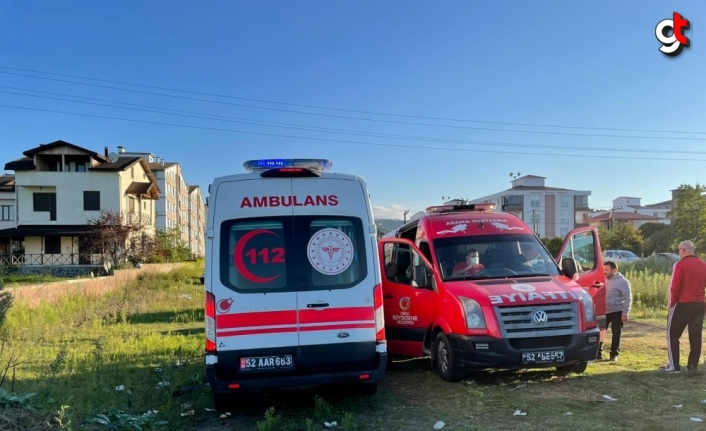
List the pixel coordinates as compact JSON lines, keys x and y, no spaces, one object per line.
{"x":224,"y":402}
{"x":574,"y":368}
{"x":445,"y":360}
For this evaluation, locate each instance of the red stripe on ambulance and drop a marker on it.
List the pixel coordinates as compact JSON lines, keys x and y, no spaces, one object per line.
{"x":261,"y":318}
{"x":337,"y":315}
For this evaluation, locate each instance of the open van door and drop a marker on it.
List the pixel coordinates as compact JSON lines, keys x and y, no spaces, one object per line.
{"x":409,"y":292}
{"x":580,"y":258}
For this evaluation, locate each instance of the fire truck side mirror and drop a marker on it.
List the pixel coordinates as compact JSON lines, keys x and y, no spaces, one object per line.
{"x":569,"y":267}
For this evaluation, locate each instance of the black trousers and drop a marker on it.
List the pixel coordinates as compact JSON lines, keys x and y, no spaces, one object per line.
{"x":615,"y":321}
{"x":685,"y":314}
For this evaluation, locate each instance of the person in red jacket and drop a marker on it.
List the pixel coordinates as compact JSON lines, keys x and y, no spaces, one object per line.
{"x":686,"y":307}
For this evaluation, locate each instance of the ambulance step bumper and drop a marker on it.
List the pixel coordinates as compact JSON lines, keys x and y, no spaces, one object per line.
{"x":221,"y":386}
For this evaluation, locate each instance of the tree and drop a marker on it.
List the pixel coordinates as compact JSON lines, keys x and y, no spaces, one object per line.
{"x":689,"y":212}
{"x":169,"y":246}
{"x":622,"y":237}
{"x":120,"y":237}
{"x":660,"y":241}
{"x":553,"y":244}
{"x":648,"y":229}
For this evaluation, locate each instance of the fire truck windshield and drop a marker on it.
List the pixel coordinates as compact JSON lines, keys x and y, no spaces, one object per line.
{"x":493,"y":256}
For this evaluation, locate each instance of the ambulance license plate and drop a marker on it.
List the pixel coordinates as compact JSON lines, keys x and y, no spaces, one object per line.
{"x":267,"y":363}
{"x":543,"y":357}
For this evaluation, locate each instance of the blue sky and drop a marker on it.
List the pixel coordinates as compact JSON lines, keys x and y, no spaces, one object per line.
{"x":593,"y":64}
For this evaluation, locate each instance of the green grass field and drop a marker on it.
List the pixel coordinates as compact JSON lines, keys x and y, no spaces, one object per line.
{"x":133,"y":359}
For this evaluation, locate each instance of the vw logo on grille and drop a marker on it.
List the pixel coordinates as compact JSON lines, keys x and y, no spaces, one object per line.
{"x":540,"y":317}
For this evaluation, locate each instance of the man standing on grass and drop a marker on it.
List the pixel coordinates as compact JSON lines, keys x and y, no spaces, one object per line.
{"x":686,"y":307}
{"x":618,"y":299}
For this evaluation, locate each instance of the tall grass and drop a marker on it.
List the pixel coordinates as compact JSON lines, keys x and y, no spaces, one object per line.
{"x":649,"y":280}
{"x":124,"y":351}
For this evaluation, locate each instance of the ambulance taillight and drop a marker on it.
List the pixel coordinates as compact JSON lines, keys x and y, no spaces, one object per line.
{"x":210,"y":323}
{"x":379,"y":315}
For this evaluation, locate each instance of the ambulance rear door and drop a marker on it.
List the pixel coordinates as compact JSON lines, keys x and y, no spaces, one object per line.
{"x":256,"y":300}
{"x":336,"y":264}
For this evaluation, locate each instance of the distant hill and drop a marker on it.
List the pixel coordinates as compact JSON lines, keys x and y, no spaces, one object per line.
{"x":385,"y":225}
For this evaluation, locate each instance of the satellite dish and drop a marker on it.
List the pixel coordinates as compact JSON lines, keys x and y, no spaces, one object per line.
{"x":113,"y":157}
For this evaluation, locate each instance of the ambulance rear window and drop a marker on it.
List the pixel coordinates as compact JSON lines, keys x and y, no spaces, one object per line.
{"x":289,"y":254}
{"x":256,"y":255}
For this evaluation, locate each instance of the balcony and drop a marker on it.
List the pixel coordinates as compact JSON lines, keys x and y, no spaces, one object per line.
{"x":130,"y":218}
{"x":513,"y":203}
{"x":581,"y":203}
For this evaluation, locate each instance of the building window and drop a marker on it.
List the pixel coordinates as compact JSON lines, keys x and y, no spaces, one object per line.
{"x":91,"y":201}
{"x":52,"y":245}
{"x":564,"y":219}
{"x":563,"y":231}
{"x":80,"y":167}
{"x":534,"y":201}
{"x":144,"y":205}
{"x":581,"y":201}
{"x":655,"y":214}
{"x":563,"y":202}
{"x":45,"y":202}
{"x":7,"y":212}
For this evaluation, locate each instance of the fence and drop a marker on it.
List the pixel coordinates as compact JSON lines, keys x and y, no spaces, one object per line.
{"x":51,"y":259}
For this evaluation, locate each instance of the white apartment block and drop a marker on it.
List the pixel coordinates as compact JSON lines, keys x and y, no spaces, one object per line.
{"x":549,"y":211}
{"x":180,"y":205}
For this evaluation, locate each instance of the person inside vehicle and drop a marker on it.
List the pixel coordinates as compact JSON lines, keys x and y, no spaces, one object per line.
{"x":391,"y":270}
{"x":524,"y":260}
{"x":470,"y":266}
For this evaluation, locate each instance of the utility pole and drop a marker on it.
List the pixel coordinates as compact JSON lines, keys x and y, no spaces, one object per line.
{"x":405,"y":216}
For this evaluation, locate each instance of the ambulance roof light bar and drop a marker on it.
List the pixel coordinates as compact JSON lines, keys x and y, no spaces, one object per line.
{"x":263,"y":165}
{"x":487,"y":207}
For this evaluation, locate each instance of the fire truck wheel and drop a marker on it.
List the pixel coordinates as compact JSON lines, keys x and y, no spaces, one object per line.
{"x":224,"y":402}
{"x":445,"y":360}
{"x":574,"y":368}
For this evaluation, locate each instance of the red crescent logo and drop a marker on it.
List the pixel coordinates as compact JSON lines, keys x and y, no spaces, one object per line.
{"x":238,"y":256}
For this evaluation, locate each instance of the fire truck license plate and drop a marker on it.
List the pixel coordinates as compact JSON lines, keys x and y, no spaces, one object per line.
{"x":267,"y":363}
{"x":543,"y":357}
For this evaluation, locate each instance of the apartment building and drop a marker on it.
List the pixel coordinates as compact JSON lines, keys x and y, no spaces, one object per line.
{"x":58,"y":188}
{"x":180,"y":205}
{"x":197,"y":221}
{"x":629,"y":210}
{"x":549,"y":211}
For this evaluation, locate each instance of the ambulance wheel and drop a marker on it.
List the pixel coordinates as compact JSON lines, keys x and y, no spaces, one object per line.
{"x":224,"y":402}
{"x":573,"y":368}
{"x":445,"y":360}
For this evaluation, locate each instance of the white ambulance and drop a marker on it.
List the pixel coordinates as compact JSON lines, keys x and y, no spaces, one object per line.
{"x":293,"y":294}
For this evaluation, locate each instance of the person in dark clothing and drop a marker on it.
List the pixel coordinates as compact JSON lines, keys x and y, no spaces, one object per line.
{"x":618,"y":300}
{"x":686,"y":307}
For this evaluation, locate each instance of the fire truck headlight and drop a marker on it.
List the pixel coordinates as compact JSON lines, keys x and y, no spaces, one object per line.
{"x":588,"y":309}
{"x":474,"y":313}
